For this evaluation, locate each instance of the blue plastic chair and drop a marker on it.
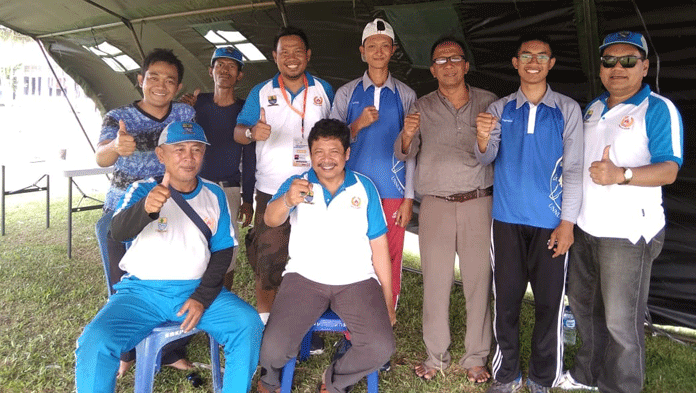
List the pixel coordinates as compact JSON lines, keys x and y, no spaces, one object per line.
{"x":328,"y":322}
{"x":149,"y":350}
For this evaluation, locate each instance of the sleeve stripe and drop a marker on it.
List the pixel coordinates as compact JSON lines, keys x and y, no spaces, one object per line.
{"x":675,"y":124}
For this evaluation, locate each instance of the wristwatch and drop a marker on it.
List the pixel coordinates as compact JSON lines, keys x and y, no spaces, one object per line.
{"x":247,"y":134}
{"x":628,"y":175}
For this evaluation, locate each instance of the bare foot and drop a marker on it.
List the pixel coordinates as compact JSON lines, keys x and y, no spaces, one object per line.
{"x":123,"y":367}
{"x":478,"y":374}
{"x":425,"y":372}
{"x":182,"y":364}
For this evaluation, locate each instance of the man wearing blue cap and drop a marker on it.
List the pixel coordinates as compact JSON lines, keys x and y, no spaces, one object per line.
{"x":174,"y":270}
{"x":633,"y":146}
{"x":217,"y":113}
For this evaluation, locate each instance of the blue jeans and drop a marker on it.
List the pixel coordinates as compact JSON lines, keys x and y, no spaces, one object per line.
{"x":608,"y":283}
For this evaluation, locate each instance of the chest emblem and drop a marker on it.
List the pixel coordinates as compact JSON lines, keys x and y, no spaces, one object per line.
{"x":588,"y":115}
{"x":355,"y":202}
{"x":272,"y":101}
{"x":162,"y":224}
{"x":627,"y":122}
{"x":318,"y":100}
{"x":209,"y":222}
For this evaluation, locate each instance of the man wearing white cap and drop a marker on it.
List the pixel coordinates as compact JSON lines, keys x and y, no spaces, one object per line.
{"x":633,"y":146}
{"x":217,"y":113}
{"x":174,"y":270}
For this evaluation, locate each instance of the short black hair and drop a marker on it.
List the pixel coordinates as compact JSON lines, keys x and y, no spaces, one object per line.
{"x":167,"y":56}
{"x":447,"y":38}
{"x":533,"y":36}
{"x":290,"y":30}
{"x":330,"y":128}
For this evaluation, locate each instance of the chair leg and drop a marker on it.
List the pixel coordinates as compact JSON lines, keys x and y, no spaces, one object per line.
{"x":373,"y":382}
{"x":146,"y":367}
{"x":215,"y":364}
{"x":288,"y":373}
{"x":306,"y":345}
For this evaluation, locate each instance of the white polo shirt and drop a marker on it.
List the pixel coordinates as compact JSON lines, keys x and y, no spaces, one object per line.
{"x":330,"y":239}
{"x":274,"y":156}
{"x":643,"y":130}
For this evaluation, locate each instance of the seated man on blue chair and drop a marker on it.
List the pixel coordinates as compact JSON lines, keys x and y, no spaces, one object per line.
{"x":174,"y":273}
{"x":339,"y":257}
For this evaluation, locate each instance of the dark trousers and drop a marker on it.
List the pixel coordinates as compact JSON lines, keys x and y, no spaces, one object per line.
{"x":521,"y":256}
{"x":300,"y":302}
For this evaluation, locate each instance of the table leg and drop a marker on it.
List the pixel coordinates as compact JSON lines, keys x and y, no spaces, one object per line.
{"x":70,"y":182}
{"x":3,"y":200}
{"x":48,"y":200}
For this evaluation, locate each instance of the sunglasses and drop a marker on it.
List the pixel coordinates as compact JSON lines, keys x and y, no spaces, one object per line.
{"x":527,"y":57}
{"x":625,"y":61}
{"x":453,"y":59}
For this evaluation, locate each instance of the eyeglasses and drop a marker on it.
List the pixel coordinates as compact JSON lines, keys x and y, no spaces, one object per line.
{"x":453,"y":59}
{"x":625,"y":61}
{"x":527,"y":57}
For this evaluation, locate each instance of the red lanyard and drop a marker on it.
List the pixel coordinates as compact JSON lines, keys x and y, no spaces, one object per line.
{"x":287,"y":100}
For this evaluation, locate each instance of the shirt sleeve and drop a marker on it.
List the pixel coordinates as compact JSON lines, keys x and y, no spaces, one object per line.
{"x":665,"y":131}
{"x":109,"y":128}
{"x":327,"y":89}
{"x":130,"y":216}
{"x":252,"y":107}
{"x":248,"y":172}
{"x":496,"y":109}
{"x":415,"y":142}
{"x":376,"y":222}
{"x":572,"y":160}
{"x":339,"y":109}
{"x":224,"y":235}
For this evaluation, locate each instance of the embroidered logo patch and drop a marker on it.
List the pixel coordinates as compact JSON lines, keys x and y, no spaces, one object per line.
{"x":627,"y":122}
{"x":162,"y":224}
{"x":588,"y":115}
{"x":209,"y":222}
{"x":355,"y":202}
{"x":272,"y":101}
{"x":318,"y":100}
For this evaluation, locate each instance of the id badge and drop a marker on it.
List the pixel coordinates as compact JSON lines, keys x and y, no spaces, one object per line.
{"x":300,"y":152}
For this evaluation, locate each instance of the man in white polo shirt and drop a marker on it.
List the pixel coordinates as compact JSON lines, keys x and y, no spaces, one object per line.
{"x":278,"y":115}
{"x":633,"y":146}
{"x":339,"y":257}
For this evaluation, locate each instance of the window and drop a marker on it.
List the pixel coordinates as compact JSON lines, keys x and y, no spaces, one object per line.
{"x":113,"y":57}
{"x":223,"y":34}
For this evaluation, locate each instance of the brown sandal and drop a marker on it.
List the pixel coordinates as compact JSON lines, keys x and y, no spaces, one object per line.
{"x":425,"y":372}
{"x":478,"y":374}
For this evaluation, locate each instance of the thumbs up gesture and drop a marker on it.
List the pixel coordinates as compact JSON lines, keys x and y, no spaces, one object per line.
{"x":189,"y":98}
{"x":604,"y":172}
{"x":261,"y":131}
{"x":158,"y":196}
{"x":124,"y":144}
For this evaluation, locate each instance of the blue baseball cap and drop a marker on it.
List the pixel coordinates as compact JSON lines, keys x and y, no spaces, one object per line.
{"x":182,"y":131}
{"x":625,"y":37}
{"x":228,"y":52}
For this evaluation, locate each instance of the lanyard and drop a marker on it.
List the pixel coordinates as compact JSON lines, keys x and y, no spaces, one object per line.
{"x":287,"y":100}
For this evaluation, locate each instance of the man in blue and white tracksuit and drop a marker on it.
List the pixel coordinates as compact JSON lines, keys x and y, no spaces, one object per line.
{"x":537,"y":148}
{"x":633,"y":146}
{"x":173,"y":272}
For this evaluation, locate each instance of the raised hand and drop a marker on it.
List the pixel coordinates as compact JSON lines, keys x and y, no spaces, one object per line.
{"x":189,"y":98}
{"x":158,"y":196}
{"x":605,"y":172}
{"x":485,"y":123}
{"x":369,"y":115}
{"x":411,"y":125}
{"x":261,"y":131}
{"x":297,"y":192}
{"x":124,"y":144}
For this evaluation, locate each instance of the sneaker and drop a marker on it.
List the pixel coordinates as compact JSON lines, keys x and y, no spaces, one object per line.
{"x":342,"y":347}
{"x":317,"y":345}
{"x":510,"y":387}
{"x":567,"y":382}
{"x":385,"y":367}
{"x":535,"y":387}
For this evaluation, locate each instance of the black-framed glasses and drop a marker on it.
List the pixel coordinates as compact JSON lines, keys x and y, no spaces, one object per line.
{"x":625,"y":61}
{"x":527,"y":57}
{"x":453,"y":59}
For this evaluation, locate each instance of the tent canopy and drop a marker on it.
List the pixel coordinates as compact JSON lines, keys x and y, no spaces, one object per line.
{"x":490,"y":28}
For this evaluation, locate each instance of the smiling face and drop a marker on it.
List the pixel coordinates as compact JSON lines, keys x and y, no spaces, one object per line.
{"x":225,"y":73}
{"x":450,"y":74}
{"x":182,"y":161}
{"x":328,"y":158}
{"x":377,"y":50}
{"x":291,"y":56}
{"x":160,"y":84}
{"x":533,"y":72}
{"x":622,"y":83}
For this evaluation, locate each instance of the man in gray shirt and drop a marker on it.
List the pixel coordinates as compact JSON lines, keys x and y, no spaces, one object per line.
{"x":455,"y":211}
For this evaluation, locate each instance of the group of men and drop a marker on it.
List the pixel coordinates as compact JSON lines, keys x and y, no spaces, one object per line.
{"x":340,"y":173}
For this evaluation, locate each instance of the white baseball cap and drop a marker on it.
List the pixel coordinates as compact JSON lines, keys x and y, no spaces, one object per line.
{"x":378,"y":26}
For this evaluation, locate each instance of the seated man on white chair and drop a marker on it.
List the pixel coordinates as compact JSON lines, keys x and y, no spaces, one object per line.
{"x":338,"y":257}
{"x":173,"y":273}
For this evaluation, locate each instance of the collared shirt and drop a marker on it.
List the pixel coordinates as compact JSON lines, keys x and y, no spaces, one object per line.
{"x":274,"y":156}
{"x":372,"y":152}
{"x":643,"y":130}
{"x":446,"y":163}
{"x":330,"y":238}
{"x":223,"y":156}
{"x":538,"y":159}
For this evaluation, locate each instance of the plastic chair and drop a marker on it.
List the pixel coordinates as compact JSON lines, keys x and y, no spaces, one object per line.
{"x":149,"y":350}
{"x":328,"y":322}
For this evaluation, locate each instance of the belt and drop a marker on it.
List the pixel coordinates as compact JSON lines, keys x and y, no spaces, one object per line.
{"x":466,"y":196}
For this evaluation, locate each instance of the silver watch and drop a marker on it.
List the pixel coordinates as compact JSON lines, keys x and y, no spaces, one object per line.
{"x":628,"y":175}
{"x":247,"y":134}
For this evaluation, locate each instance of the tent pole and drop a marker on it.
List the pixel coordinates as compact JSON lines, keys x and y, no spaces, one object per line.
{"x":126,"y":22}
{"x":283,"y":13}
{"x":64,"y":93}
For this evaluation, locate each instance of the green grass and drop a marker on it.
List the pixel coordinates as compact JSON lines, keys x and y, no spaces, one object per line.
{"x":46,"y":299}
